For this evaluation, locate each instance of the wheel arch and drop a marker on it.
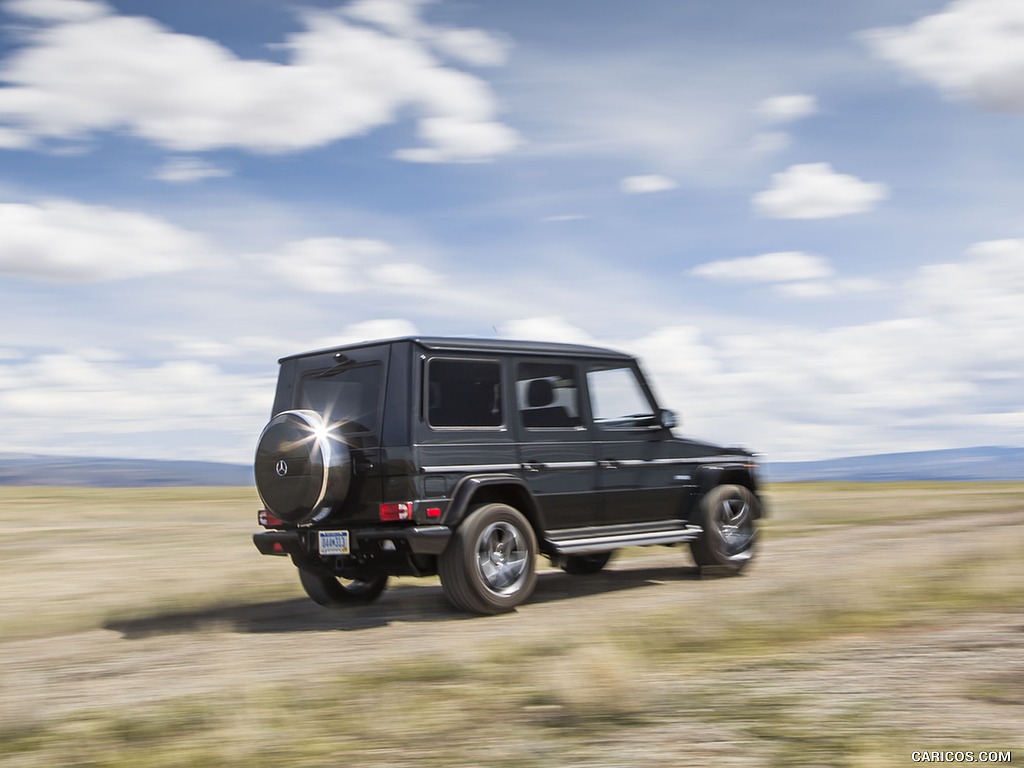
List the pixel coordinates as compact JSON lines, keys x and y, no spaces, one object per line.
{"x":488,"y":489}
{"x":711,"y":476}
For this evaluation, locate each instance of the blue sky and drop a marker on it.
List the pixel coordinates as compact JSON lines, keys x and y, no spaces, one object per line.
{"x":805,"y":217}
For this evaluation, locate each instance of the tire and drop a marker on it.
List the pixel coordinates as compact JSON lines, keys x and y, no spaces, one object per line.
{"x":302,"y":468}
{"x":728,"y":515}
{"x":581,"y":565}
{"x":332,"y":592}
{"x":489,"y":565}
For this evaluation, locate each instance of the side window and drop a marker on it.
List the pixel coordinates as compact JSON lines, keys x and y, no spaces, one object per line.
{"x":464,"y":393}
{"x":616,"y":398}
{"x":547,"y":396}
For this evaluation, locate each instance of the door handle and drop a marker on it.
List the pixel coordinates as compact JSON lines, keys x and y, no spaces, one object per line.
{"x":608,"y":464}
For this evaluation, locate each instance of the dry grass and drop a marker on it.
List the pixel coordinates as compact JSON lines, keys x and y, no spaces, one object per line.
{"x":804,"y":507}
{"x":805,"y":661}
{"x":74,"y":557}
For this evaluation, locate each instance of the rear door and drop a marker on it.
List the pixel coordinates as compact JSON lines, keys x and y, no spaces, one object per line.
{"x":463,"y":426}
{"x":347,"y":390}
{"x":555,"y":444}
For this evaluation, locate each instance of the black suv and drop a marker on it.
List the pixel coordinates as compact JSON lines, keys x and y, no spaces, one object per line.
{"x":466,"y":458}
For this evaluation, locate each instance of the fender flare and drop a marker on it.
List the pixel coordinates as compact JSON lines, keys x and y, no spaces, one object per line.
{"x":482,"y":488}
{"x":727,"y":473}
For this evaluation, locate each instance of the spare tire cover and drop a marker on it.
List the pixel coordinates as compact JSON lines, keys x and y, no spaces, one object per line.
{"x":302,"y":469}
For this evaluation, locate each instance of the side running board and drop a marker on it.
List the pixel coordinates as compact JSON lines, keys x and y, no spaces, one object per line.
{"x":583,"y":540}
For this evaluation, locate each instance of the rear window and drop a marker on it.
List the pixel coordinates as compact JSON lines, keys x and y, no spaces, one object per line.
{"x":347,"y":398}
{"x":464,"y":393}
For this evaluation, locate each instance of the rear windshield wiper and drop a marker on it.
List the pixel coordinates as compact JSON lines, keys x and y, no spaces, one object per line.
{"x":341,"y":363}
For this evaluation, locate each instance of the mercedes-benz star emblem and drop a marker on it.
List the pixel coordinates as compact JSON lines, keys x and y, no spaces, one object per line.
{"x":282,"y":468}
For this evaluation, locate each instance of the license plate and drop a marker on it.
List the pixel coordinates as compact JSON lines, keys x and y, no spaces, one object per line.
{"x":333,"y":542}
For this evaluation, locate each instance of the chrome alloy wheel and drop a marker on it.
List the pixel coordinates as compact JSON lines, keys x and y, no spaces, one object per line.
{"x":735,"y":524}
{"x":502,"y":557}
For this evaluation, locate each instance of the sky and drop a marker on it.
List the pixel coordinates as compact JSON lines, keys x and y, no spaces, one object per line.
{"x":805,"y":218}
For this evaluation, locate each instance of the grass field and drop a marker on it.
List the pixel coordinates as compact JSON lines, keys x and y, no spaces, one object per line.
{"x":140,"y":627}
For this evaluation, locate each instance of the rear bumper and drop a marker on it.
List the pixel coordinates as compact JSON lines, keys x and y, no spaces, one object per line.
{"x":278,"y":543}
{"x":418,"y":540}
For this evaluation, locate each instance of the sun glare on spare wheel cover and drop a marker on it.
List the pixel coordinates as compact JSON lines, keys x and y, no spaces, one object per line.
{"x":301,"y":467}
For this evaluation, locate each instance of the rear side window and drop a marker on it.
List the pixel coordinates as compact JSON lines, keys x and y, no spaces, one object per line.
{"x":347,"y":398}
{"x":547,"y":396}
{"x":464,"y":393}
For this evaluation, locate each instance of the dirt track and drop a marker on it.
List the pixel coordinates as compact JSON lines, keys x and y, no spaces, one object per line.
{"x":935,"y":679}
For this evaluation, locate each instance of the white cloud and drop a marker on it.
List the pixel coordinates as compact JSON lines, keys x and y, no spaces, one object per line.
{"x":547,"y":328}
{"x":345,"y":265}
{"x":638,"y":185}
{"x":472,"y":46}
{"x":182,"y":407}
{"x":325,"y":264}
{"x":779,"y":267}
{"x":204,"y":348}
{"x":185,"y":170}
{"x":402,"y":18}
{"x":794,"y":274}
{"x":403,"y":276}
{"x":770,"y":141}
{"x":682,"y":357}
{"x":239,"y":349}
{"x":101,"y":406}
{"x":368,"y":330}
{"x":697,"y":128}
{"x":786,"y":109}
{"x":815,"y":191}
{"x":14,"y":139}
{"x":57,"y":10}
{"x":974,"y":49}
{"x":887,"y":386}
{"x":944,"y":371}
{"x":563,"y":217}
{"x":455,"y":139}
{"x":90,"y":70}
{"x":778,"y":110}
{"x":980,"y":295}
{"x":68,"y":241}
{"x":823,"y":289}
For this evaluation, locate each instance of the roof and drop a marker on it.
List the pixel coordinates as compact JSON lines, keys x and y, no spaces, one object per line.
{"x":457,"y":344}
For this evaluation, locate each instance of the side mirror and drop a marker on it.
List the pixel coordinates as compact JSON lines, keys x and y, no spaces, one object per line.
{"x":668,"y":419}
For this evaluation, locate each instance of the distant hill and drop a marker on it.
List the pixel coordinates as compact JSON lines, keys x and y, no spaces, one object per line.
{"x":23,"y":469}
{"x":988,"y":463}
{"x":985,"y":463}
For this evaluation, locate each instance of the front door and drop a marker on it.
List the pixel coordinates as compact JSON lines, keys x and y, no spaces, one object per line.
{"x":637,"y":477}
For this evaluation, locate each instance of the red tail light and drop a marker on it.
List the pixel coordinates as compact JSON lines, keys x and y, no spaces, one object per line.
{"x":267,"y":520}
{"x":396,"y":510}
